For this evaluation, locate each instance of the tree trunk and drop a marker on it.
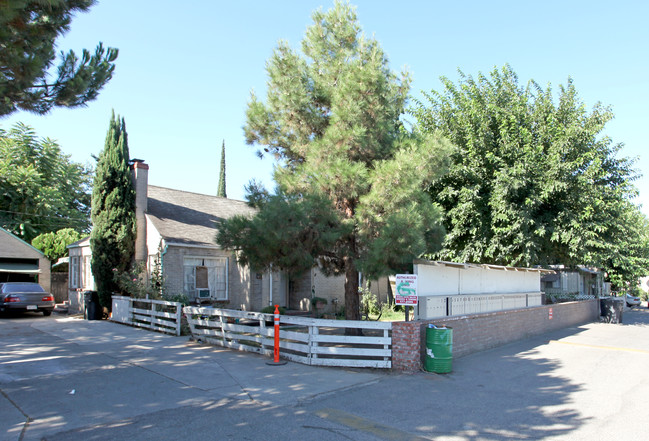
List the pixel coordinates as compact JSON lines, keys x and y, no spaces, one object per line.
{"x":352,"y":297}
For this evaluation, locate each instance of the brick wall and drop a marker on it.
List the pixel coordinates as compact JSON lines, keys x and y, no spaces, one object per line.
{"x":473,"y":333}
{"x":406,"y":346}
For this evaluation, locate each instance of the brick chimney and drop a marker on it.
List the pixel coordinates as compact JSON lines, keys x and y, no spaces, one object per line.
{"x":140,"y":175}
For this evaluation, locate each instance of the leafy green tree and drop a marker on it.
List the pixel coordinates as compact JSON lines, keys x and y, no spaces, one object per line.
{"x":28,"y":32}
{"x":221,"y":190}
{"x":41,"y":189}
{"x":626,"y":259}
{"x":55,"y":245}
{"x":113,"y":212}
{"x":534,"y":181}
{"x":350,"y":177}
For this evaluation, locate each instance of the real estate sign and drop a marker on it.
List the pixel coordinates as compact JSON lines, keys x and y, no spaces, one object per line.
{"x":406,"y":289}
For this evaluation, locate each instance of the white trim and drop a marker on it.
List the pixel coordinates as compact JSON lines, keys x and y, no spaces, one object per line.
{"x":75,"y":272}
{"x":478,"y":265}
{"x":188,"y":245}
{"x":221,"y":263}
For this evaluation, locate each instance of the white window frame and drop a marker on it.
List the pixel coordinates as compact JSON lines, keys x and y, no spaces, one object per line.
{"x":88,"y":281}
{"x":218,"y":280}
{"x":75,"y":280}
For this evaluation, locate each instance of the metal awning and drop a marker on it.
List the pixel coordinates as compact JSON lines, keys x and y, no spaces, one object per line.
{"x":61,"y":261}
{"x":22,"y":268}
{"x":587,"y":270}
{"x":550,"y":277}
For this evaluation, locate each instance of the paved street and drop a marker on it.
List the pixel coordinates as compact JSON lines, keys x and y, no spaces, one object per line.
{"x":67,"y":379}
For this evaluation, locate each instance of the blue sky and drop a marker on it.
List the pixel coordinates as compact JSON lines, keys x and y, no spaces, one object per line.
{"x":185,"y":70}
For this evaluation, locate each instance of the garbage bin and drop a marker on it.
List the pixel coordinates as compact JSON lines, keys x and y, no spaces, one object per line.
{"x":92,"y":309}
{"x":611,"y":309}
{"x":439,"y":349}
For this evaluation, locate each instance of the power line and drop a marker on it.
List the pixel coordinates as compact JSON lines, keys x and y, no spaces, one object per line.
{"x":36,"y":215}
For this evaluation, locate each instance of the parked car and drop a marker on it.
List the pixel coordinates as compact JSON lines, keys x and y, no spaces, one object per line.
{"x":25,"y":296}
{"x":632,"y":300}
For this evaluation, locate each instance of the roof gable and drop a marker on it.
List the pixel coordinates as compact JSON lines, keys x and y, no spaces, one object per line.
{"x":13,"y":246}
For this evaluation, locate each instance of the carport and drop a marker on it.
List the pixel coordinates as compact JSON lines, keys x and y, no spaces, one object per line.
{"x":21,"y":262}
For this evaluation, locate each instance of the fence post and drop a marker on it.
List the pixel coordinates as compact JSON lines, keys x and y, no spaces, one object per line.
{"x":386,"y":347}
{"x":262,"y":334}
{"x":179,"y":318}
{"x":222,"y":321}
{"x":313,"y":343}
{"x":129,"y":315}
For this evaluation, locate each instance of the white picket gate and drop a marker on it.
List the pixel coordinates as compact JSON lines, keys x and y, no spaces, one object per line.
{"x":304,"y":340}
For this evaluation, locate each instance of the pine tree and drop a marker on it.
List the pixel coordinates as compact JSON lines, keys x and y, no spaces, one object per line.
{"x":221,"y":190}
{"x":28,"y":33}
{"x":113,"y":212}
{"x":332,"y":118}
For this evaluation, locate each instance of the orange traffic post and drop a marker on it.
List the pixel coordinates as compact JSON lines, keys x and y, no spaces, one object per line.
{"x":276,"y":360}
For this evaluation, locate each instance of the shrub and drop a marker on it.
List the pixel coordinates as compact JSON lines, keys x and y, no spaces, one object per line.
{"x":271,"y":310}
{"x":180,"y":298}
{"x":134,"y":283}
{"x":369,"y":302}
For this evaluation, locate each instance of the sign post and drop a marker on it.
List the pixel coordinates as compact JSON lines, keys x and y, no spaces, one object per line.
{"x":406,"y":294}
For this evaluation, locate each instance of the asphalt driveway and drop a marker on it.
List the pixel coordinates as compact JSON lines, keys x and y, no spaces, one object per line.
{"x":69,"y":379}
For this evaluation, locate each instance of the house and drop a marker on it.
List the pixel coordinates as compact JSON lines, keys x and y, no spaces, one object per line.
{"x":21,"y":262}
{"x":177,"y":229}
{"x":644,"y":284}
{"x":79,"y":273}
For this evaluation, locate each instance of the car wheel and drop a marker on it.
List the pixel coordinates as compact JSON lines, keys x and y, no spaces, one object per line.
{"x":47,"y":313}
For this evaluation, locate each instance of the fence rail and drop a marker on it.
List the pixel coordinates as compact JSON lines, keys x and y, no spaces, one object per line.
{"x":157,"y":315}
{"x":304,"y":340}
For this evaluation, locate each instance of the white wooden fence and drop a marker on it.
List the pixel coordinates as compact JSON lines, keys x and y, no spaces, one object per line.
{"x":304,"y":340}
{"x":151,"y":314}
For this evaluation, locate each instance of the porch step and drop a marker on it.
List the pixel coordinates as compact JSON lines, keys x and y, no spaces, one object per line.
{"x":61,"y":308}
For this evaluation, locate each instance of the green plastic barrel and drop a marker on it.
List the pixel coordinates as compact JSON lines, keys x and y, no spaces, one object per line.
{"x":439,"y":350}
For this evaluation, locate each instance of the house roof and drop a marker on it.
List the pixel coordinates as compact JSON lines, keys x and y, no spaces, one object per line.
{"x":480,"y":265}
{"x":190,"y":219}
{"x":83,"y":242}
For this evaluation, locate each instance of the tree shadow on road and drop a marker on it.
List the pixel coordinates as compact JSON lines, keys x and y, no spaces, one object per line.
{"x":511,"y":392}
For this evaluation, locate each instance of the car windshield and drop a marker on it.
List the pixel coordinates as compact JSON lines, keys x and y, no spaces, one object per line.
{"x":22,"y":287}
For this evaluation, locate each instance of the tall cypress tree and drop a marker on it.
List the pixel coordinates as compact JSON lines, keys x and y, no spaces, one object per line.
{"x":221,"y":190}
{"x":113,"y":212}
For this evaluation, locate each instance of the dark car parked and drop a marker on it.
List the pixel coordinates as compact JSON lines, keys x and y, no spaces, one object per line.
{"x":25,"y":296}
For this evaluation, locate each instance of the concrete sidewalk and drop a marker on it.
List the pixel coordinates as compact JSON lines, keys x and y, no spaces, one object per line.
{"x":67,"y":373}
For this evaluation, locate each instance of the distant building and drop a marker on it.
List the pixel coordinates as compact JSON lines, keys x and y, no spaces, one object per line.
{"x":580,"y":282}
